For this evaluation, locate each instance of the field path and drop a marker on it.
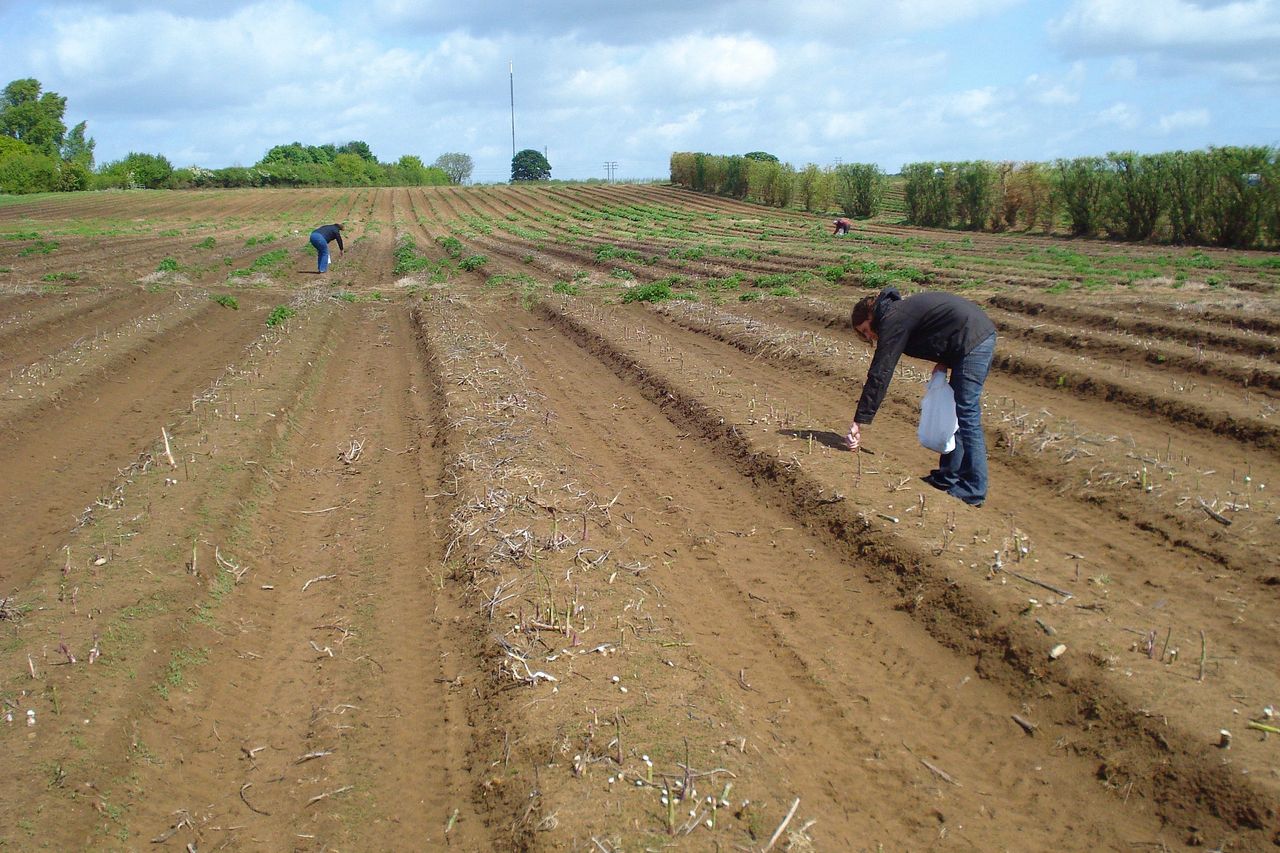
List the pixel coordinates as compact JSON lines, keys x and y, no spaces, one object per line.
{"x":339,"y":659}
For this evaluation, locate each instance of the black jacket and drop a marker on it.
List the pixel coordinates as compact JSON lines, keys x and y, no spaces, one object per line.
{"x":331,"y":233}
{"x":939,"y":327}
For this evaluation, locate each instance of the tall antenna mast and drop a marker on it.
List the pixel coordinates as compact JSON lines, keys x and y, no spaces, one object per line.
{"x":511,"y":67}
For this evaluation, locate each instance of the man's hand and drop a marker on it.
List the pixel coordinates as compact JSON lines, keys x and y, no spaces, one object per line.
{"x":940,"y":368}
{"x":854,"y":439}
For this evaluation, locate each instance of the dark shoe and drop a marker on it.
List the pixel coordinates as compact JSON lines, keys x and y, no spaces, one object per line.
{"x":928,"y":478}
{"x":973,"y":502}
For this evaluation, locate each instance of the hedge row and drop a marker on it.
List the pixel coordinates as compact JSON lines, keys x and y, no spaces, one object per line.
{"x":1227,"y":196}
{"x":856,"y":188}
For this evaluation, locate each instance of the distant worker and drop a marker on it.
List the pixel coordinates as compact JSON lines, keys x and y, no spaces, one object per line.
{"x":321,"y":238}
{"x":842,"y":226}
{"x":956,"y":334}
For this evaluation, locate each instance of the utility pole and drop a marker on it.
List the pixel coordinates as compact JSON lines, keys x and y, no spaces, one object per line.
{"x":511,"y":70}
{"x":609,"y":168}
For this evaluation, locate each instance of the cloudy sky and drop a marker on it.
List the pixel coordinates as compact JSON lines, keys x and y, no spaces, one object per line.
{"x":217,"y":82}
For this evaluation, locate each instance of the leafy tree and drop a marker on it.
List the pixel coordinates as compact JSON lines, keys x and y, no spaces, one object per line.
{"x":1134,"y":196}
{"x":859,"y":189}
{"x":1188,"y":181}
{"x":360,"y":149}
{"x":811,"y":187}
{"x":78,"y":149}
{"x":736,"y":176}
{"x":530,"y":165}
{"x":1025,"y":196}
{"x":770,"y":182}
{"x":353,"y":170}
{"x":457,"y":166}
{"x":1080,"y":187}
{"x":73,"y":176}
{"x":927,"y":192}
{"x":761,"y":156}
{"x":136,"y":170}
{"x":23,"y":170}
{"x":294,"y":152}
{"x":32,"y":117}
{"x":975,"y":184}
{"x":1235,"y":210}
{"x":408,"y":171}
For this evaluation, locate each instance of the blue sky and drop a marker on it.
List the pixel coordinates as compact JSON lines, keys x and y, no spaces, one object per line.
{"x":884,"y":81}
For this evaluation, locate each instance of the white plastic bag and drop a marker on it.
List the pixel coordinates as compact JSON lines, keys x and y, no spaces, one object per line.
{"x":938,"y":423}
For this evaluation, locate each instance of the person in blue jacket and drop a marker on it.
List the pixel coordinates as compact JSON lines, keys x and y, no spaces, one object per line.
{"x":955,"y":334}
{"x":321,"y":238}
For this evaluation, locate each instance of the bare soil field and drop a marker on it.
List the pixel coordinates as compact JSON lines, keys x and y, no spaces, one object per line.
{"x":529,"y":527}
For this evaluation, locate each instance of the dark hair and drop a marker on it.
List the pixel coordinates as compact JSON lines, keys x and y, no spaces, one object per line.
{"x":862,"y":310}
{"x":339,"y":225}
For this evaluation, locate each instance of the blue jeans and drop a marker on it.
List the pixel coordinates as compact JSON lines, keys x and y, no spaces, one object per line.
{"x":962,"y":473}
{"x":322,"y":248}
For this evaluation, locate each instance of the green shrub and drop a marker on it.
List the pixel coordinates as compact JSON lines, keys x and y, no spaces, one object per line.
{"x":655,"y":291}
{"x":167,"y":265}
{"x":206,"y":243}
{"x":605,"y":253}
{"x":474,"y":262}
{"x":39,"y":247}
{"x":407,"y":258}
{"x":859,"y":189}
{"x":564,"y":287}
{"x":266,"y":263}
{"x":451,"y":245}
{"x":280,"y":314}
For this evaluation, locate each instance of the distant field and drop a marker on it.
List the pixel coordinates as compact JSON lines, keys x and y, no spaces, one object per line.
{"x":528,"y":526}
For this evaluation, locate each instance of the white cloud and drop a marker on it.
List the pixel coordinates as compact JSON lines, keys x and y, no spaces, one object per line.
{"x":1057,"y":90}
{"x":720,"y":62}
{"x":1173,"y":29}
{"x":1183,"y":120}
{"x":1119,"y":115}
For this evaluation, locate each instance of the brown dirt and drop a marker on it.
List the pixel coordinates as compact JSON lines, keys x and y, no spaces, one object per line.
{"x":450,"y":559}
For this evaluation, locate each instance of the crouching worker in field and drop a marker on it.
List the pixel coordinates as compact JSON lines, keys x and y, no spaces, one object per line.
{"x":842,"y":226}
{"x":321,"y":238}
{"x":957,"y":335}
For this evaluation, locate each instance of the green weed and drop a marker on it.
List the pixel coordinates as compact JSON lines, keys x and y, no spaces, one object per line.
{"x":206,"y":243}
{"x":40,"y":247}
{"x":474,"y":262}
{"x":60,"y":276}
{"x":167,"y":265}
{"x":280,"y":314}
{"x":452,"y":246}
{"x":655,"y":291}
{"x":226,"y":300}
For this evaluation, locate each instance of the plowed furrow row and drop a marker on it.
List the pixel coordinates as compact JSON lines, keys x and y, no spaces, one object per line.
{"x":958,"y":613}
{"x":816,"y":637}
{"x":1192,"y":331}
{"x":111,"y":648}
{"x":62,"y":321}
{"x":60,"y":453}
{"x":343,"y":644}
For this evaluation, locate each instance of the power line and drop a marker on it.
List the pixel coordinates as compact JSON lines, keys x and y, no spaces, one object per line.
{"x":511,"y":70}
{"x":610,"y":167}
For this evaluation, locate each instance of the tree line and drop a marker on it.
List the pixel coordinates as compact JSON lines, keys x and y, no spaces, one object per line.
{"x":39,"y":154}
{"x":856,"y":189}
{"x":1224,"y":196}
